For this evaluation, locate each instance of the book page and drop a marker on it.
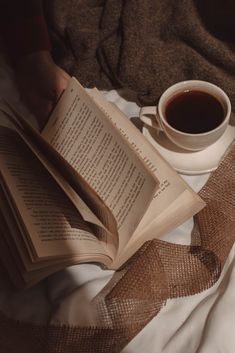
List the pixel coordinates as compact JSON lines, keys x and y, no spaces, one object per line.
{"x":16,"y":259}
{"x":14,"y":238}
{"x":171,"y":184}
{"x":49,"y":221}
{"x":70,"y":180}
{"x":15,"y":256}
{"x":88,"y":140}
{"x":108,"y":239}
{"x":173,"y":203}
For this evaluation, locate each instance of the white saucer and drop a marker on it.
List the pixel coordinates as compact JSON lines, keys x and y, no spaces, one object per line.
{"x":187,"y":162}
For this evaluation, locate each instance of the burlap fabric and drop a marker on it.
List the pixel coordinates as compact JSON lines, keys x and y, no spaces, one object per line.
{"x":137,"y":292}
{"x":145,"y":45}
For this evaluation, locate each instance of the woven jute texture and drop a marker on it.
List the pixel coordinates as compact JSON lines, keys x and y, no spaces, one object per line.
{"x":137,"y":292}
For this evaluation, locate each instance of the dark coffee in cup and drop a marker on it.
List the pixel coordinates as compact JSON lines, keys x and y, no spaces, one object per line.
{"x":194,"y":112}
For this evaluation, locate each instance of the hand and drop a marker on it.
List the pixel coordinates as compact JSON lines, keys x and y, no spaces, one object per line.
{"x":40,"y":82}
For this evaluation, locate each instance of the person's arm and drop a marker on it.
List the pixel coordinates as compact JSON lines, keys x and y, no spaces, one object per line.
{"x":39,"y":79}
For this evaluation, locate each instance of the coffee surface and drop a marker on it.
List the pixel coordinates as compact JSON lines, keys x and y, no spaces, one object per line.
{"x":194,"y":112}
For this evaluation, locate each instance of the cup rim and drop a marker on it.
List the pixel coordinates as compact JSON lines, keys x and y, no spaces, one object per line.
{"x":195,"y":82}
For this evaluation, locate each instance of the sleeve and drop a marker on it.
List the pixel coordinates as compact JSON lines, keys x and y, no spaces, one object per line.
{"x":23,"y":27}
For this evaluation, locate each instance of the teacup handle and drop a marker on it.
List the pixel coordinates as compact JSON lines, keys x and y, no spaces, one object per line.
{"x":149,"y":116}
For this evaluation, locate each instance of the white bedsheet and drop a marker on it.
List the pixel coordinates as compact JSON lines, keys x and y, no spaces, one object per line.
{"x":202,"y":323}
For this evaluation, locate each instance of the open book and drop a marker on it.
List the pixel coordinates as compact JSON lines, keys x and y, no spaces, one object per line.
{"x":88,"y":188}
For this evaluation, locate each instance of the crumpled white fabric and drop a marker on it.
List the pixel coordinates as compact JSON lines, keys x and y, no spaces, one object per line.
{"x":202,"y":323}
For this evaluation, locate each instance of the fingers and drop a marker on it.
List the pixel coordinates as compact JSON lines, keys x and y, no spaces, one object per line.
{"x":40,"y":82}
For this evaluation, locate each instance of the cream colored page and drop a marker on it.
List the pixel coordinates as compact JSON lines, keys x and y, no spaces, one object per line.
{"x":173,"y":216}
{"x":33,"y":139}
{"x":80,"y":205}
{"x":53,"y":223}
{"x":89,"y":142}
{"x":16,"y":236}
{"x":171,"y":184}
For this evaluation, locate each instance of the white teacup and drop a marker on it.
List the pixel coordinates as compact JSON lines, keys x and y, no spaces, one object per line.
{"x":193,"y":114}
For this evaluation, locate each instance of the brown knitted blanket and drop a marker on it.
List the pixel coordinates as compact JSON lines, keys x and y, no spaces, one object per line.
{"x":145,"y":45}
